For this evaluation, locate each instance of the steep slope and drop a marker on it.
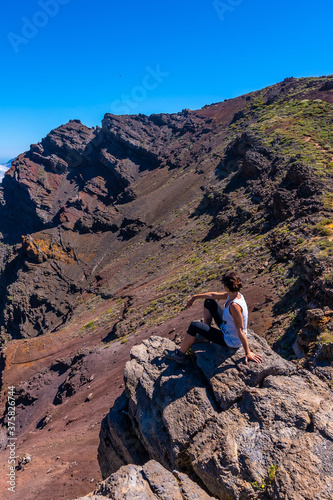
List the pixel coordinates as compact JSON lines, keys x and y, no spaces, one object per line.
{"x":106,"y":232}
{"x":95,"y":195}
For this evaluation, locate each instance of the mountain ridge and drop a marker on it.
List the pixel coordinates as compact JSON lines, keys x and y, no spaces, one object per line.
{"x":107,"y":231}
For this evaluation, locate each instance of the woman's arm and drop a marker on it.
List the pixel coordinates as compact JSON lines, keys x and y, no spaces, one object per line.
{"x":236,"y":312}
{"x":207,"y":295}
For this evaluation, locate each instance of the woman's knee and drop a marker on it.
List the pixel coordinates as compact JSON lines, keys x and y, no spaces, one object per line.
{"x":211,"y":305}
{"x":197,"y":327}
{"x":192,"y":329}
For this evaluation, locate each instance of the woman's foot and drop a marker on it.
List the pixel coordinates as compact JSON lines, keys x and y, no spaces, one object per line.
{"x":175,"y":355}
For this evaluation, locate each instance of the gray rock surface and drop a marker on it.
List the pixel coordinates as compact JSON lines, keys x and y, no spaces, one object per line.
{"x":150,"y":482}
{"x":246,"y":431}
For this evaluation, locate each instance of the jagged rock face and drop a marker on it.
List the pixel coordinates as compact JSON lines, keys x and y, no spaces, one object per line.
{"x":281,"y":189}
{"x":42,"y":277}
{"x":247,"y":431}
{"x":42,"y":180}
{"x":71,"y":191}
{"x":70,"y":205}
{"x":119,"y":443}
{"x":77,"y":173}
{"x":149,"y":482}
{"x":154,"y":139}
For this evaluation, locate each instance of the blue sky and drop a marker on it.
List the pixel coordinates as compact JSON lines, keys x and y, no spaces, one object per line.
{"x":64,"y":59}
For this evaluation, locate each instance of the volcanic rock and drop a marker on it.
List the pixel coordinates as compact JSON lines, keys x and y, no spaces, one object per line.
{"x":149,"y":482}
{"x":246,"y":431}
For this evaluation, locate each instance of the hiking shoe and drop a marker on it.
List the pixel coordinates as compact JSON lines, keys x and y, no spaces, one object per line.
{"x":176,"y":355}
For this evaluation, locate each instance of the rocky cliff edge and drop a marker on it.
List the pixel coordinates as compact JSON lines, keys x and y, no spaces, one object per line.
{"x":149,"y":482}
{"x":240,"y":431}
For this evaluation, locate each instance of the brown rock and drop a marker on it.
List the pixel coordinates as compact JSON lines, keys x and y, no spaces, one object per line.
{"x":232,"y":424}
{"x":149,"y":482}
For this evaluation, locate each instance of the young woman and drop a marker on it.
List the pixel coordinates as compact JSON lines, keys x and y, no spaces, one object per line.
{"x":232,"y":321}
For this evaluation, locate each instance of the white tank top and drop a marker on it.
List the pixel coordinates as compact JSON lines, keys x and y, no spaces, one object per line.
{"x":228,"y":327}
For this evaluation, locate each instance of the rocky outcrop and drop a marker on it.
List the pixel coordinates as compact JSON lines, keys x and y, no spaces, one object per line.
{"x":317,"y":321}
{"x":148,"y":138}
{"x":43,"y":179}
{"x":149,"y":482}
{"x":245,"y":431}
{"x":41,"y":263}
{"x":247,"y":154}
{"x":129,"y":228}
{"x":328,"y":85}
{"x":77,"y":377}
{"x":281,"y":188}
{"x":77,"y":172}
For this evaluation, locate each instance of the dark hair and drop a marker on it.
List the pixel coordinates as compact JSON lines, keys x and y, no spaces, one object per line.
{"x":232,"y":281}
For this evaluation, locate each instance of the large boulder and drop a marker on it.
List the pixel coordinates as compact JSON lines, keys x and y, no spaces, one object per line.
{"x":245,"y":431}
{"x":150,"y":482}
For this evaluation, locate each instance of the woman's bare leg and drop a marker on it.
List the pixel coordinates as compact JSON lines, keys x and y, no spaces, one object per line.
{"x":188,"y":341}
{"x":207,"y":317}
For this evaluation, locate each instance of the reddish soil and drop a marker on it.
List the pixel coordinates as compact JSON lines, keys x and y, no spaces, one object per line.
{"x":64,"y":452}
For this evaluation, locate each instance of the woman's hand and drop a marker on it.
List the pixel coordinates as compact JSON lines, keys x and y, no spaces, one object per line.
{"x":252,"y":357}
{"x":190,"y":302}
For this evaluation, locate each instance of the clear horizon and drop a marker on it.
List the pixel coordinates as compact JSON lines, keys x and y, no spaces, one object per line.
{"x":67,"y":60}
